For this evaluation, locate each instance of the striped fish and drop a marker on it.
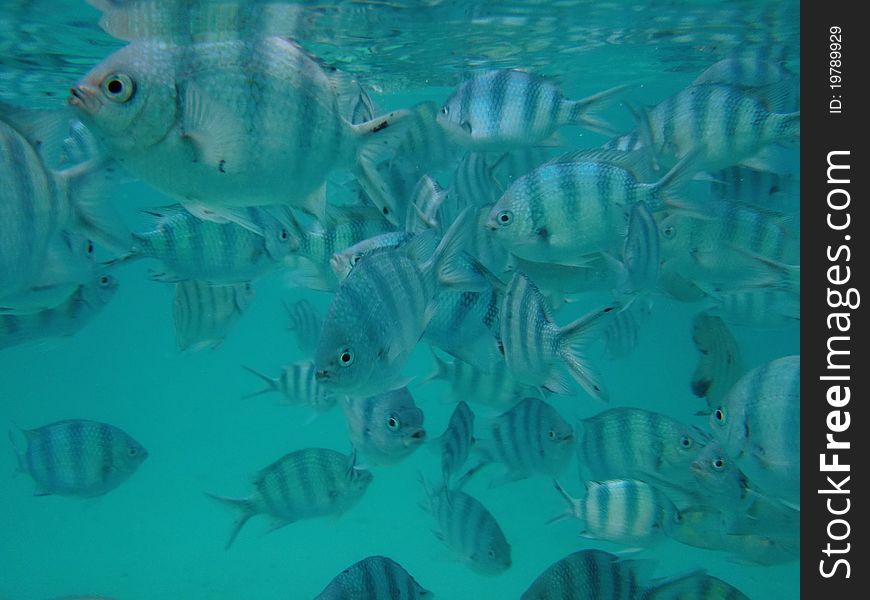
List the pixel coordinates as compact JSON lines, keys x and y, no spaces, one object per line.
{"x":170,"y":112}
{"x":621,"y":335}
{"x":722,"y":123}
{"x":424,"y":143}
{"x":474,"y":181}
{"x":589,"y":575}
{"x":632,"y":443}
{"x":699,"y":586}
{"x":763,"y":189}
{"x":374,"y":578}
{"x":465,"y":325}
{"x":496,"y":388}
{"x":296,"y":383}
{"x":457,"y":440}
{"x":342,"y":262}
{"x":756,"y":307}
{"x":730,"y":245}
{"x":769,"y":82}
{"x":482,"y":546}
{"x":758,"y":423}
{"x":531,"y":438}
{"x":719,"y":361}
{"x":305,"y":484}
{"x":624,"y":511}
{"x":204,"y":313}
{"x":380,"y":312}
{"x":641,"y":252}
{"x":539,"y":216}
{"x":79,"y":458}
{"x":63,"y":320}
{"x":386,"y":427}
{"x":219,"y":253}
{"x":534,"y":345}
{"x":305,"y":323}
{"x":502,"y":109}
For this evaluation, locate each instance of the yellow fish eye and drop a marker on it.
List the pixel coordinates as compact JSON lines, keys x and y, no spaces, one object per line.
{"x":118,"y":87}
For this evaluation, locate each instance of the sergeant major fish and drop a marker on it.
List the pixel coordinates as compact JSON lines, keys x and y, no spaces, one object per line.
{"x":386,"y":427}
{"x":296,"y":383}
{"x":457,"y":440}
{"x":374,"y":578}
{"x":204,"y":313}
{"x":79,"y":458}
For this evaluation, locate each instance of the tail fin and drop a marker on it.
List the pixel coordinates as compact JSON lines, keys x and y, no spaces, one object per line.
{"x":571,"y":339}
{"x":663,"y":196}
{"x":576,"y":507}
{"x":271,"y":383}
{"x":579,"y":112}
{"x":445,"y":262}
{"x":248,"y":509}
{"x":378,"y":138}
{"x":441,"y":368}
{"x":88,"y":186}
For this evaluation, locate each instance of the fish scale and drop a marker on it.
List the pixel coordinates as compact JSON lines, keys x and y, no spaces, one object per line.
{"x":374,"y":578}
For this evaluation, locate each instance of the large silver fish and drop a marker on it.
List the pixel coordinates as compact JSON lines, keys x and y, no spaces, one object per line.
{"x":79,"y":458}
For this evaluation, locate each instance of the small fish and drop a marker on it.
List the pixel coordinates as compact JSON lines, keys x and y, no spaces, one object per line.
{"x":63,"y":320}
{"x":589,"y":575}
{"x":482,"y":547}
{"x":496,"y":388}
{"x":721,"y":484}
{"x":457,"y":440}
{"x":531,"y":438}
{"x":758,"y":423}
{"x":379,"y":314}
{"x":625,"y":511}
{"x":534,"y":345}
{"x":722,"y":123}
{"x":204,"y":313}
{"x":502,"y":109}
{"x":539,"y":216}
{"x":697,"y":586}
{"x":305,"y":323}
{"x":79,"y":458}
{"x":296,"y":383}
{"x":220,"y":253}
{"x":173,"y":118}
{"x":632,"y":443}
{"x":308,"y":483}
{"x":719,"y":361}
{"x":386,"y":427}
{"x":374,"y":578}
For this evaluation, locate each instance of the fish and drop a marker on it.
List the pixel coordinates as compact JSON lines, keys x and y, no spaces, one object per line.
{"x":534,"y":345}
{"x":698,"y":586}
{"x":297,"y":385}
{"x":428,"y":198}
{"x":721,"y":123}
{"x":758,"y":423}
{"x":589,"y":575}
{"x":379,"y":314}
{"x":719,"y":359}
{"x":37,"y":203}
{"x":217,"y":253}
{"x":641,"y":253}
{"x":63,"y":320}
{"x":761,"y":307}
{"x":474,"y":182}
{"x":304,"y":484}
{"x":483,"y":547}
{"x":539,"y":216}
{"x":769,"y":82}
{"x":531,"y":438}
{"x":776,"y":192}
{"x":169,"y":109}
{"x":633,"y":443}
{"x":374,"y":578}
{"x":305,"y":323}
{"x":457,"y":440}
{"x":79,"y":458}
{"x":342,"y":262}
{"x":424,"y":144}
{"x":496,"y":387}
{"x":387,"y":427}
{"x":205,"y":313}
{"x":502,"y":109}
{"x":625,"y":511}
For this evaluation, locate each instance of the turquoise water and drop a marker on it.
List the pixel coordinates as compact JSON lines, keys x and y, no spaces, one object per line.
{"x":157,"y":535}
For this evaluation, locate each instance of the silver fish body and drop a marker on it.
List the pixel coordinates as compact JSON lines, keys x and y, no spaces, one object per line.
{"x":374,"y":578}
{"x":456,"y":442}
{"x":297,"y":385}
{"x":758,"y":423}
{"x":204,"y":313}
{"x":79,"y":458}
{"x":305,"y":484}
{"x":465,"y":325}
{"x":588,"y":575}
{"x":386,"y":427}
{"x":496,"y":387}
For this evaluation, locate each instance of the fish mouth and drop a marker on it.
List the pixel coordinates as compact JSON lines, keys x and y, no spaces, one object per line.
{"x":321,"y":375}
{"x":416,"y":437}
{"x":84,"y":97}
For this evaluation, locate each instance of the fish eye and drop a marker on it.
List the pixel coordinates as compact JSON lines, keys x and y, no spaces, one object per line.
{"x":445,"y":110}
{"x":718,"y":464}
{"x":132,"y":451}
{"x":505,"y":217}
{"x":345,"y":357}
{"x":551,"y":434}
{"x":491,"y":553}
{"x":355,"y":258}
{"x":392,"y":423}
{"x":668,"y":231}
{"x":104,"y":280}
{"x":719,"y":415}
{"x":686,"y":442}
{"x":90,"y":247}
{"x":284,"y":235}
{"x":118,"y":87}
